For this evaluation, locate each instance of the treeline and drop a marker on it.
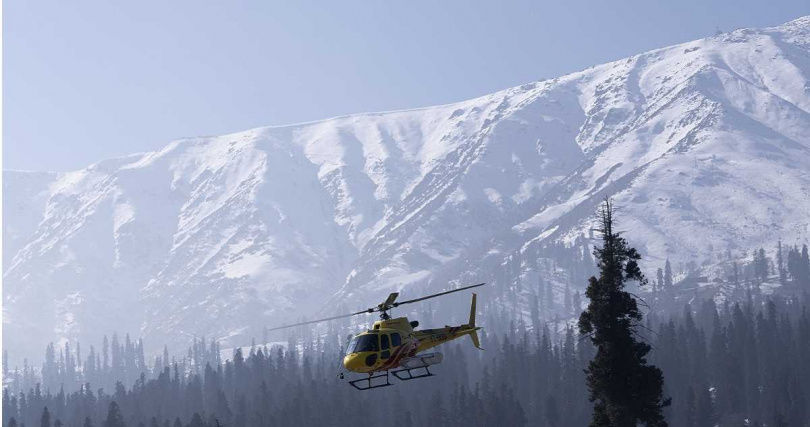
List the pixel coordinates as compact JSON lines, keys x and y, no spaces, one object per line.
{"x":797,"y":265}
{"x":732,"y":365}
{"x":117,"y":361}
{"x":785,"y":274}
{"x":742,"y":362}
{"x":790,"y":266}
{"x":549,"y":279}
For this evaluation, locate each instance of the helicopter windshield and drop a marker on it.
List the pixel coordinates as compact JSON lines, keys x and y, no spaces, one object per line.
{"x":363,"y":343}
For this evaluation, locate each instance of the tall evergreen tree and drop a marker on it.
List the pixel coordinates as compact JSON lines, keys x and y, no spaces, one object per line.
{"x":45,"y":420}
{"x":667,"y":276}
{"x":114,"y":417}
{"x":625,"y":389}
{"x":735,"y":275}
{"x":552,"y":412}
{"x":805,"y":266}
{"x":567,"y":302}
{"x":659,"y":278}
{"x":549,"y":297}
{"x":760,"y":265}
{"x":780,"y":263}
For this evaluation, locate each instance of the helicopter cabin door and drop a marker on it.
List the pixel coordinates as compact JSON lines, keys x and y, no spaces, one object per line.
{"x":385,"y":347}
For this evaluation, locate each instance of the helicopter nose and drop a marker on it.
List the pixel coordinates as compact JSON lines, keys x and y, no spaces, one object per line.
{"x":359,"y":362}
{"x":353,"y":362}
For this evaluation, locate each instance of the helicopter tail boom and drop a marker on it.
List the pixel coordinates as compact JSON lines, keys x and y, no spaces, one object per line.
{"x":471,"y":323}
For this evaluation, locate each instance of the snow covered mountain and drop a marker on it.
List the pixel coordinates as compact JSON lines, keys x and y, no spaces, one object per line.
{"x":705,"y":146}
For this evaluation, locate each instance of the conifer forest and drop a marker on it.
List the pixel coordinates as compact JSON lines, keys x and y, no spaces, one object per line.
{"x":738,"y":362}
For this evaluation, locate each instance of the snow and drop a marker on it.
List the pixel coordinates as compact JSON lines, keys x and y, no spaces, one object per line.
{"x":246,"y":265}
{"x":221,"y":236}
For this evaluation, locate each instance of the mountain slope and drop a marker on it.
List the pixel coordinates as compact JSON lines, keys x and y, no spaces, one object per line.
{"x":704,"y":146}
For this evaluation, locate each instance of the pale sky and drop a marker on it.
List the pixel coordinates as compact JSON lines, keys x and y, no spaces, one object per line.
{"x":88,"y":80}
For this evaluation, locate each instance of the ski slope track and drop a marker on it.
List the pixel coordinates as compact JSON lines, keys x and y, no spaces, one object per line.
{"x":704,"y":146}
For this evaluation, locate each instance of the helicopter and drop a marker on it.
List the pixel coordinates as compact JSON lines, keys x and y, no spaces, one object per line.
{"x":395,"y":346}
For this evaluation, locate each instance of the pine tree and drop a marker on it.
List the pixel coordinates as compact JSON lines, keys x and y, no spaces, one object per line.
{"x":780,"y":264}
{"x":625,"y":389}
{"x":567,"y":302}
{"x":704,"y":413}
{"x":196,"y":421}
{"x":114,"y":417}
{"x":735,"y":275}
{"x":549,"y":297}
{"x":760,"y":265}
{"x":541,"y":289}
{"x":105,"y":349}
{"x":660,"y":278}
{"x":658,"y":285}
{"x":667,"y":276}
{"x":45,"y":421}
{"x":552,"y":412}
{"x":437,"y":412}
{"x":805,"y":267}
{"x":534,"y":310}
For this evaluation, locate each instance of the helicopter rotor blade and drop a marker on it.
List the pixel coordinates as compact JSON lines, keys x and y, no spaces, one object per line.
{"x":385,"y":306}
{"x":390,"y":300}
{"x":370,"y":310}
{"x":396,"y":304}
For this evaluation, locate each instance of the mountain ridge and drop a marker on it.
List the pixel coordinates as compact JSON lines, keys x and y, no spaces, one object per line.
{"x":220,"y":235}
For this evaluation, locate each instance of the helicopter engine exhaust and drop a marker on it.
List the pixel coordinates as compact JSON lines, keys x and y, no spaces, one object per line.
{"x":421,"y":360}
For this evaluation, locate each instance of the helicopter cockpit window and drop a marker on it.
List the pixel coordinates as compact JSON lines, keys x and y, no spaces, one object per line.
{"x":363,"y":343}
{"x":384,"y":342}
{"x":351,"y":346}
{"x":396,"y":340}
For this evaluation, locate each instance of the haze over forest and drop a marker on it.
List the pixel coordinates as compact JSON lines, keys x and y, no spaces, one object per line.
{"x":703,"y":147}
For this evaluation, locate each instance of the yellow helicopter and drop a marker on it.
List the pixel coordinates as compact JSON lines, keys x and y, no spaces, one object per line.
{"x":394,"y":345}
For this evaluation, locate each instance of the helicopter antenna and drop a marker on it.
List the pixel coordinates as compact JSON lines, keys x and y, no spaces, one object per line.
{"x":383,"y":308}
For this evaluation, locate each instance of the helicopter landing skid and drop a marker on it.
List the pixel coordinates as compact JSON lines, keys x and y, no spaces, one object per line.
{"x":368,"y":382}
{"x":400,"y":374}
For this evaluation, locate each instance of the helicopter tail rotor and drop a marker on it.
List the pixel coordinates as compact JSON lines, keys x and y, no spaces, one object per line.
{"x":474,"y":337}
{"x":471,"y":324}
